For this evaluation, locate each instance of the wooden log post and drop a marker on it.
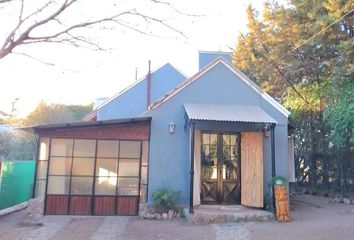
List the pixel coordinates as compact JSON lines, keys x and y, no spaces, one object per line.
{"x":281,"y":203}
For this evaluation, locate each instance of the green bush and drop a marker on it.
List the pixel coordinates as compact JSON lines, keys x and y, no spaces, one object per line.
{"x":165,"y":199}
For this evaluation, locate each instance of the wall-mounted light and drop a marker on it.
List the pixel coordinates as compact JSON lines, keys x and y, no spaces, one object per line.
{"x":171,"y":127}
{"x":266,"y":130}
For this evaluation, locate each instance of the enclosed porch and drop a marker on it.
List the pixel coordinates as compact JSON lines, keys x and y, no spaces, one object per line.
{"x":231,"y":157}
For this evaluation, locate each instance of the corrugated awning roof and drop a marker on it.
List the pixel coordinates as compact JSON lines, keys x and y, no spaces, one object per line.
{"x":227,"y":113}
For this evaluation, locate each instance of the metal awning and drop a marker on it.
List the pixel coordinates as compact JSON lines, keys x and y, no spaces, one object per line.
{"x":227,"y":113}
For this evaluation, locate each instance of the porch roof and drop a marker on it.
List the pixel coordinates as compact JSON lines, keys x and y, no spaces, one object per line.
{"x":227,"y":113}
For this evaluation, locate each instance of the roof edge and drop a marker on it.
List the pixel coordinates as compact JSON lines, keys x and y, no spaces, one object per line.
{"x":237,"y":72}
{"x":85,"y":124}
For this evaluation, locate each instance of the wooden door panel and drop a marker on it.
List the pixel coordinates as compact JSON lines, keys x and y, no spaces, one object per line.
{"x":252,"y":169}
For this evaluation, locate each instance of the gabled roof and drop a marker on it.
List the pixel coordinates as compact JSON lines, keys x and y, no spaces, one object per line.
{"x":91,"y":115}
{"x":237,"y":72}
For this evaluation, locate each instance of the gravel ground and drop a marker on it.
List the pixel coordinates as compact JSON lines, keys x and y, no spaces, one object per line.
{"x":312,"y":218}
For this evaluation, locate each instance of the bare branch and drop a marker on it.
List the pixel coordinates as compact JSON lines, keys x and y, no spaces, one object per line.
{"x":21,"y":35}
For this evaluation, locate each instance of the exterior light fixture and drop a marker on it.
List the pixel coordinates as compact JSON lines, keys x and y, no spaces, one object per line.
{"x":266,"y":130}
{"x":171,"y":127}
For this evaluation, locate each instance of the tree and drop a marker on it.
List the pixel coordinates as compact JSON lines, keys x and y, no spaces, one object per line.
{"x":56,"y":113}
{"x":57,"y":21}
{"x":19,"y":145}
{"x":302,"y":54}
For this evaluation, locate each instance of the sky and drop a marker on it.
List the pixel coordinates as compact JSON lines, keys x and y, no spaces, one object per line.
{"x":80,"y":75}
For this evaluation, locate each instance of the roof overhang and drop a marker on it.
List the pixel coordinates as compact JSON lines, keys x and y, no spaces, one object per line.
{"x":227,"y":113}
{"x":34,"y":129}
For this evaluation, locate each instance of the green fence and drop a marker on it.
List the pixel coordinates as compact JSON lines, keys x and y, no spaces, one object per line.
{"x":16,"y":181}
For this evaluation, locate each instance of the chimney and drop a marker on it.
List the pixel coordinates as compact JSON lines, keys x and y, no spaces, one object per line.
{"x":148,"y":86}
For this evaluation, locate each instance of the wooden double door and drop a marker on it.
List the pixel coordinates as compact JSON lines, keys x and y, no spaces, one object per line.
{"x":220,"y":168}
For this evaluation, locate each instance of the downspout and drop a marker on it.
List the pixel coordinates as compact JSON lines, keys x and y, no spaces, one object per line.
{"x":273,"y":150}
{"x":148,"y":87}
{"x":273,"y":162}
{"x":191,"y":210}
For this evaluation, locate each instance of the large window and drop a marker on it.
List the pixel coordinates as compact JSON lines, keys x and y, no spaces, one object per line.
{"x":42,"y":166}
{"x":92,"y":167}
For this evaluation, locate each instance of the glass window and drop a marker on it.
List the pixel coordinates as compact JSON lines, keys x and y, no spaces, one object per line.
{"x":40,"y":189}
{"x":42,"y":169}
{"x":107,"y":149}
{"x":106,"y":167}
{"x":145,"y":153}
{"x":81,"y":185}
{"x":44,"y":149}
{"x":61,"y":147}
{"x":129,"y":167}
{"x":105,"y":185}
{"x":58,"y":185}
{"x":83,"y":166}
{"x":205,"y":138}
{"x":143,"y":175}
{"x":60,"y":166}
{"x":85,"y":148}
{"x":129,"y":149}
{"x":143,"y":189}
{"x":128,"y":186}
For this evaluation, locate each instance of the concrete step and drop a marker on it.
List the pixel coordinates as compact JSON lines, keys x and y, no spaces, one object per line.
{"x":209,"y":214}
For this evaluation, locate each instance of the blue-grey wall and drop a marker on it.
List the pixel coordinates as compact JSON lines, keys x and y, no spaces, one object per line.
{"x":169,"y":160}
{"x":207,"y":57}
{"x":132,"y":103}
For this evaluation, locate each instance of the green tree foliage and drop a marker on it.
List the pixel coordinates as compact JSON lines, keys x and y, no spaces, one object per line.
{"x":19,"y":145}
{"x":304,"y":57}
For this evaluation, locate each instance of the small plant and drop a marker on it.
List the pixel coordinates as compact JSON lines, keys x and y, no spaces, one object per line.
{"x":165,"y":199}
{"x":279,"y":180}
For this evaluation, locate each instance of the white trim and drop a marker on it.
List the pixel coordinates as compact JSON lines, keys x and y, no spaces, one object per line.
{"x":89,"y":116}
{"x":237,"y":72}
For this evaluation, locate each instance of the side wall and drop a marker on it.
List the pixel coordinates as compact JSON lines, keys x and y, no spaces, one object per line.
{"x":169,"y":153}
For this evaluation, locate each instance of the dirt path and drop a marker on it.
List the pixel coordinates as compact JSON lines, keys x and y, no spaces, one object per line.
{"x":313,"y":218}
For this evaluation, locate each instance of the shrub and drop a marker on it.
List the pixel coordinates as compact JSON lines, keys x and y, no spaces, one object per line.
{"x":165,"y":199}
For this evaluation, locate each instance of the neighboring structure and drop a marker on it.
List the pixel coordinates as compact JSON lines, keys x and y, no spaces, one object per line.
{"x":216,"y":137}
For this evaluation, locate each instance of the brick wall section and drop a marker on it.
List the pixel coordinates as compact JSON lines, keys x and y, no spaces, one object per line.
{"x":126,"y":131}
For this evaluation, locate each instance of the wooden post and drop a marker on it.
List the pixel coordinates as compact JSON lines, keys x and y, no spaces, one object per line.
{"x":281,"y":203}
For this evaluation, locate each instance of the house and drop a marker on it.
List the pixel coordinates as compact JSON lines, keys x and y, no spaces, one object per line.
{"x":216,"y":137}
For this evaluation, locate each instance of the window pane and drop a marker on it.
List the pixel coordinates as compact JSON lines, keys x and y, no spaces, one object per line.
{"x":83,"y":166}
{"x":107,"y":148}
{"x":84,"y":148}
{"x":60,"y":166}
{"x":233,"y":139}
{"x":42,"y":169}
{"x":106,"y":167}
{"x":61,"y":147}
{"x":44,"y":149}
{"x":81,"y":185}
{"x":105,"y":186}
{"x":58,"y":185}
{"x":129,"y":167}
{"x":40,"y":189}
{"x":226,"y":139}
{"x":145,"y":153}
{"x":205,"y":138}
{"x":129,"y":149}
{"x":213,"y":138}
{"x":128,"y":186}
{"x":143,"y":189}
{"x":143,"y":175}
